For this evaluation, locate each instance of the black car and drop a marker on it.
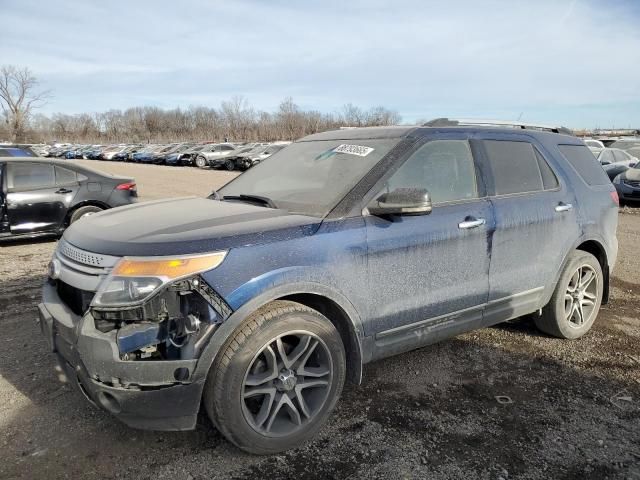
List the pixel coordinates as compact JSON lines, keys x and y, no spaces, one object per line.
{"x":40,"y":196}
{"x":16,"y":151}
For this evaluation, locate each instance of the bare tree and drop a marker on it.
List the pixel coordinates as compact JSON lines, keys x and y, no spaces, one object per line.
{"x":18,"y":98}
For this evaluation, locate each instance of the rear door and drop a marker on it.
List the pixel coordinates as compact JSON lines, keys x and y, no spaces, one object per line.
{"x":428,"y":274}
{"x":536,"y":222}
{"x":34,"y":202}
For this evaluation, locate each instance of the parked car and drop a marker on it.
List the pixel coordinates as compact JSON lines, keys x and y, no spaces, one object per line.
{"x":346,"y":247}
{"x":614,"y":169}
{"x":146,"y":154}
{"x":94,"y":153}
{"x":161,"y":157}
{"x":123,"y":155}
{"x":211,"y":152}
{"x":40,"y":197}
{"x":631,"y":146}
{"x":627,"y":184}
{"x":249,"y":159}
{"x":596,"y":146}
{"x":229,"y":160}
{"x":615,"y":155}
{"x":8,"y":150}
{"x":184,"y":157}
{"x":109,"y":153}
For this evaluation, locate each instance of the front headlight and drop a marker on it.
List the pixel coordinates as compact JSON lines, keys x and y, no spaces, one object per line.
{"x":618,"y":179}
{"x":135,"y":279}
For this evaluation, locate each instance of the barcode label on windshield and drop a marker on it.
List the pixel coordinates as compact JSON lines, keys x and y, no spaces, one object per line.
{"x":359,"y":150}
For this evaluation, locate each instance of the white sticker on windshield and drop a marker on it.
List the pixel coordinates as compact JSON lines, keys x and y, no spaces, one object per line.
{"x":359,"y":150}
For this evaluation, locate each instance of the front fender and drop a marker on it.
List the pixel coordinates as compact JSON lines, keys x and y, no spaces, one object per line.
{"x":267,"y":295}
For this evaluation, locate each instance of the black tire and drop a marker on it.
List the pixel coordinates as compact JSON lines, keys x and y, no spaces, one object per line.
{"x":225,"y":395}
{"x":201,"y":162}
{"x":82,"y":211}
{"x":558,"y":317}
{"x":230,"y":165}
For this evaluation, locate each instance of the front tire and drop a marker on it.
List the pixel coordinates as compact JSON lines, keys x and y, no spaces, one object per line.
{"x":276,"y":380}
{"x":576,"y":300}
{"x":230,"y":165}
{"x":201,"y":162}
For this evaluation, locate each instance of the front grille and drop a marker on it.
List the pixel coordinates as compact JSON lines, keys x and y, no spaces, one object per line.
{"x":80,"y":275}
{"x":76,"y":299}
{"x":633,"y":183}
{"x":81,"y":256}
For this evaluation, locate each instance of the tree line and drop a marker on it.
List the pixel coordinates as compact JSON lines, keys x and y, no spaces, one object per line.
{"x":235,"y":119}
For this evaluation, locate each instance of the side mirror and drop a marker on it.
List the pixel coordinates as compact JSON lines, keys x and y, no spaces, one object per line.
{"x":604,"y":162}
{"x":402,"y":201}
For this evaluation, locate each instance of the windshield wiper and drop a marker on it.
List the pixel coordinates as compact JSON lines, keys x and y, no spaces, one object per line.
{"x":251,"y":198}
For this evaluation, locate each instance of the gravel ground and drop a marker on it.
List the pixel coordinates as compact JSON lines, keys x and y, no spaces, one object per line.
{"x":573,"y":409}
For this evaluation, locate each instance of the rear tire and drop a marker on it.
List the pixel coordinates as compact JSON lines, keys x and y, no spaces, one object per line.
{"x":576,"y":300}
{"x":230,"y":165}
{"x":83,"y":212}
{"x":255,"y":392}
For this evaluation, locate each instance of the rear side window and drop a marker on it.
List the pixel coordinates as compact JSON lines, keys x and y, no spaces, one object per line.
{"x":444,"y":167}
{"x":65,"y":176}
{"x":515,"y":167}
{"x":585,"y":164}
{"x":620,"y":156}
{"x":27,"y":176}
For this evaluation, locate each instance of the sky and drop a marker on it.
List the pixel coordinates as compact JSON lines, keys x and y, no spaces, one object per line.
{"x":561,"y":62}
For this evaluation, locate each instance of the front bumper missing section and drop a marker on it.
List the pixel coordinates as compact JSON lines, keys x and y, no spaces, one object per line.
{"x":142,"y":394}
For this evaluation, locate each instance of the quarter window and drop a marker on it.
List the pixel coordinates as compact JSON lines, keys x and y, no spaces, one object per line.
{"x":514,"y":166}
{"x":444,"y":167}
{"x":28,"y":176}
{"x":65,"y":176}
{"x":585,"y":164}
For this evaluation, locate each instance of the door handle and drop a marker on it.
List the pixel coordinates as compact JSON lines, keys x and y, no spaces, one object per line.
{"x":564,"y":207}
{"x":472,"y":223}
{"x":63,"y":190}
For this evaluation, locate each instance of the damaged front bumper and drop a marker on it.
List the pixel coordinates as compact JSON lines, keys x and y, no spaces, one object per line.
{"x":156,"y":395}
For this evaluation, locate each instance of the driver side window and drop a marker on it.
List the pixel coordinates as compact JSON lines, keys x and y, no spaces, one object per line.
{"x":444,"y":167}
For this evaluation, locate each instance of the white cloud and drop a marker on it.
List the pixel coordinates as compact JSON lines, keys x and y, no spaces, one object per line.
{"x":563,"y":61}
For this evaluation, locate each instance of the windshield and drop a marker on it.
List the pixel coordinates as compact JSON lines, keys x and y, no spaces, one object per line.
{"x":310,"y":178}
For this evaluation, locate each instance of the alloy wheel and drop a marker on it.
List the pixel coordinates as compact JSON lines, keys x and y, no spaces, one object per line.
{"x":287,"y":383}
{"x":581,"y":296}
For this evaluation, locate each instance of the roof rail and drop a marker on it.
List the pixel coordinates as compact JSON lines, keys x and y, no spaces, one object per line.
{"x":454,"y":122}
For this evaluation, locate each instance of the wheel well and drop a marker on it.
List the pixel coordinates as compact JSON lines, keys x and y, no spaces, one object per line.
{"x":598,"y":251}
{"x":93,"y":203}
{"x":343,"y":324}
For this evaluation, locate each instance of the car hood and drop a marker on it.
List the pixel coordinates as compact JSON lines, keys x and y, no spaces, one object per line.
{"x":183,"y":226}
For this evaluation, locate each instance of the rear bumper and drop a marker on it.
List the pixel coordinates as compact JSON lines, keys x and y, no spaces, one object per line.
{"x":141,"y":394}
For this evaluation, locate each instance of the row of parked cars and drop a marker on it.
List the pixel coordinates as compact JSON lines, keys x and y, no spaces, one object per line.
{"x":231,"y":156}
{"x":621,"y":160}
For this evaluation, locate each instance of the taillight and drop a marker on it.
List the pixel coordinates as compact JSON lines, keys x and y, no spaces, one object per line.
{"x":126,"y":186}
{"x":614,"y":197}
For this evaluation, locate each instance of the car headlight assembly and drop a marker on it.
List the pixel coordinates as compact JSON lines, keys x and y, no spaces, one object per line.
{"x":134,"y":280}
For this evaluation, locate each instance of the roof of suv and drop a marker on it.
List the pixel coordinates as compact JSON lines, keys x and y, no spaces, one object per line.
{"x":361,"y":133}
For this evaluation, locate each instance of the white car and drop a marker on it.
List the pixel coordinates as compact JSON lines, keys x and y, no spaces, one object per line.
{"x":212,"y":152}
{"x":596,"y":146}
{"x":607,"y":156}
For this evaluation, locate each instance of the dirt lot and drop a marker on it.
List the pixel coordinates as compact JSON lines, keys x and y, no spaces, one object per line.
{"x":431,"y":413}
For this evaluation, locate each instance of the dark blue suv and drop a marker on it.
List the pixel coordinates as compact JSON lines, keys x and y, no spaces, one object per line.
{"x":345,"y":247}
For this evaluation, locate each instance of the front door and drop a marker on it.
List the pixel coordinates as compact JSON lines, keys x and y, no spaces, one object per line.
{"x":428,"y":274}
{"x":34,"y":202}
